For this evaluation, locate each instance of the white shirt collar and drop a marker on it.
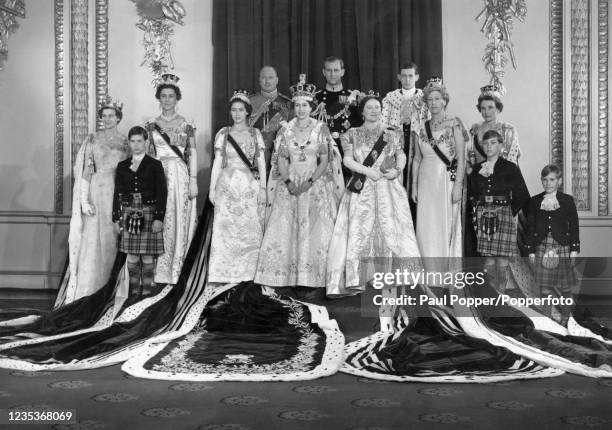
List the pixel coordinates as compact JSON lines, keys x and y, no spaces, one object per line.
{"x":138,"y":158}
{"x":408,"y":94}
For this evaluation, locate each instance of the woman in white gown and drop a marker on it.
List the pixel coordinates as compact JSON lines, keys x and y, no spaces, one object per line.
{"x":304,"y":204}
{"x":374,"y":218}
{"x":238,"y":191}
{"x":92,"y":239}
{"x":438,"y":171}
{"x":172,"y":141}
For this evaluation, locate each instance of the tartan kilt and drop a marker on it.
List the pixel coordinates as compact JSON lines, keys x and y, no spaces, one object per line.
{"x":146,"y":242}
{"x":564,"y":275}
{"x":502,"y":243}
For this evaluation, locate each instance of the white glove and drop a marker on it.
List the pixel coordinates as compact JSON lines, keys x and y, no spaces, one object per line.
{"x":87,"y":208}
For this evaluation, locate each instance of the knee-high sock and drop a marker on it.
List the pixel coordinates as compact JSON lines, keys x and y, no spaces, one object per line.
{"x":502,"y":278}
{"x":134,"y":269}
{"x":148,"y":273}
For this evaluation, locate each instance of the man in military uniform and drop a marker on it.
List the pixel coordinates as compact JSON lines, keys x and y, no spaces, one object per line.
{"x":270,"y":108}
{"x":405,"y":109}
{"x":337,"y":106}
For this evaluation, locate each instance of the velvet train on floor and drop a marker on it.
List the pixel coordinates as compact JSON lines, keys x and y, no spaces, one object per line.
{"x":285,"y":339}
{"x":465,"y":344}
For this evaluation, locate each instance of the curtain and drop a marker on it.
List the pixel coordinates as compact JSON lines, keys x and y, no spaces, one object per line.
{"x":373,"y":37}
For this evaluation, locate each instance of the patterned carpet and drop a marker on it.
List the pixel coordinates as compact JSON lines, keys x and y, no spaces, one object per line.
{"x":108,"y":399}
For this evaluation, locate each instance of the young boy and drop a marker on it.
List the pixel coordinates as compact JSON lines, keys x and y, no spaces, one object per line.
{"x":553,"y":239}
{"x":498,"y":192}
{"x":139,"y":206}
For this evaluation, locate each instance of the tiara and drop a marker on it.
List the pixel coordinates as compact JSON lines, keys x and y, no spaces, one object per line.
{"x":434,"y":83}
{"x":490,"y":90}
{"x":109,"y":102}
{"x":370,"y":93}
{"x":241,"y":94}
{"x":302,"y":89}
{"x":169,"y":79}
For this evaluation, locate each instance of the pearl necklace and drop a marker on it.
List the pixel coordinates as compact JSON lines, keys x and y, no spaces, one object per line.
{"x":169,"y":118}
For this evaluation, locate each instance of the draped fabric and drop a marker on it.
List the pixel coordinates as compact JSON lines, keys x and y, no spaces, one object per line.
{"x":373,"y":37}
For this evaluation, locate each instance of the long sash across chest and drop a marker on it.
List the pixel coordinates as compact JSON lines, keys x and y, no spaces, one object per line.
{"x":355,"y":185}
{"x":252,"y":165}
{"x":451,"y":165}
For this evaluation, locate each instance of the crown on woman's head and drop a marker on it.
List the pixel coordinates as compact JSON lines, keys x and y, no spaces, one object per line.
{"x":169,"y":79}
{"x":109,"y":102}
{"x":490,"y":90}
{"x":241,"y":94}
{"x":434,"y":83}
{"x":302,"y":89}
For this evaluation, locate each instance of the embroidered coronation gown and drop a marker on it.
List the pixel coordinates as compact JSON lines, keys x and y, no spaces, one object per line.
{"x":92,"y":239}
{"x":180,"y":219}
{"x":298,"y":230}
{"x":373,"y":223}
{"x":239,"y":219}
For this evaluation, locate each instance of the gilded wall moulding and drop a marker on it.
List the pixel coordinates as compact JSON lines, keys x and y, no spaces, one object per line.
{"x":157,"y":20}
{"x":556,"y":82}
{"x":499,"y":17}
{"x":59,"y":106}
{"x":10,"y":10}
{"x":603,"y":42}
{"x":101,"y":55}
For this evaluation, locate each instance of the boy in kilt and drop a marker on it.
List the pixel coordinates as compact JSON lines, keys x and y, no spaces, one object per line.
{"x":553,"y":240}
{"x":139,"y":206}
{"x":498,"y":192}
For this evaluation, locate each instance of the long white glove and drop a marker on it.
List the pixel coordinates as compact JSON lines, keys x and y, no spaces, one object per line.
{"x":87,"y":208}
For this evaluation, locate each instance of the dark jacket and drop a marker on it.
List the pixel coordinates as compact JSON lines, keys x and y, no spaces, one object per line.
{"x":561,"y":223}
{"x":149,"y":180}
{"x":506,"y":180}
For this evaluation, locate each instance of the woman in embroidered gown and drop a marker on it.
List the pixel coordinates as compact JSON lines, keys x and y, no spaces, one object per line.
{"x":304,"y":204}
{"x":172,"y":141}
{"x":374,"y":216}
{"x":438,"y":170}
{"x":238,"y":192}
{"x":92,"y":239}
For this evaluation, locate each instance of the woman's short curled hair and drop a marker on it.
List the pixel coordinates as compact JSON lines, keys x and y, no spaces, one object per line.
{"x":162,"y":87}
{"x":498,"y":103}
{"x":366,"y":99}
{"x":118,"y":112}
{"x":551,"y":168}
{"x":492,"y":134}
{"x":138,"y":131}
{"x":442,"y":90}
{"x":247,"y":106}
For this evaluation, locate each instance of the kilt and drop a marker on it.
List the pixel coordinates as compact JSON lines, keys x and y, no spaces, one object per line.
{"x":502,"y":243}
{"x":136,"y":235}
{"x":564,"y":275}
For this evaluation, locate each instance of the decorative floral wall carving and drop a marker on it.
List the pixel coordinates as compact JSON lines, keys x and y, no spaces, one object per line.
{"x":499,"y":17}
{"x":10,"y":10}
{"x":157,"y":20}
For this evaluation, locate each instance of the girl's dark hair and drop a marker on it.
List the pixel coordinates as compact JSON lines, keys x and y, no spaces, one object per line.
{"x":161,"y":87}
{"x":490,"y":134}
{"x":138,"y":131}
{"x":498,"y":103}
{"x":247,"y":106}
{"x":118,"y":112}
{"x":551,"y":168}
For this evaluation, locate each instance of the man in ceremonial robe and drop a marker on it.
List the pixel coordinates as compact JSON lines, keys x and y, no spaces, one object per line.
{"x":405,"y":109}
{"x":270,"y":108}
